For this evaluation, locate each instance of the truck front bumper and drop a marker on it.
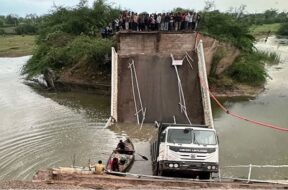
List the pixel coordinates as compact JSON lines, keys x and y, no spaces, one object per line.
{"x":189,"y":166}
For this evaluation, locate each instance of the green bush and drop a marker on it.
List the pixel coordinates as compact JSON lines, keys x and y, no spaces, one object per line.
{"x":2,"y":31}
{"x":57,"y":39}
{"x":247,"y":72}
{"x":67,"y":53}
{"x":227,"y":27}
{"x":67,"y":36}
{"x":283,"y":29}
{"x":26,"y":29}
{"x":94,"y":50}
{"x":250,"y":67}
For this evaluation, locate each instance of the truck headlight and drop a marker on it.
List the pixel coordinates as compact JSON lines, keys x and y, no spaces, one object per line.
{"x":209,"y":167}
{"x":170,"y":165}
{"x":176,"y":165}
{"x":213,"y":167}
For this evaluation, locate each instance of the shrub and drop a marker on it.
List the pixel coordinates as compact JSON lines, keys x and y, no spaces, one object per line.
{"x":250,"y":67}
{"x":283,"y":30}
{"x":246,"y":71}
{"x":2,"y":31}
{"x":225,"y":26}
{"x":67,"y":53}
{"x":67,"y":37}
{"x":26,"y":29}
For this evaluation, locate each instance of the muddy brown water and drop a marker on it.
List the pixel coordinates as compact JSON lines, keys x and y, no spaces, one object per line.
{"x":41,"y":129}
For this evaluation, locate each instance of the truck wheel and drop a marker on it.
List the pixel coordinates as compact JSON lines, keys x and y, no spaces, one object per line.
{"x":160,"y":171}
{"x":204,"y":175}
{"x":155,"y":168}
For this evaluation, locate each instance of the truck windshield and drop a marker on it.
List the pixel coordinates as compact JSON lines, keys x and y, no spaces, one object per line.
{"x":204,"y":137}
{"x":180,"y":136}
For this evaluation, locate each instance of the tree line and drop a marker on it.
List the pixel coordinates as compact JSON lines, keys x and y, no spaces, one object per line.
{"x":67,"y":36}
{"x":13,"y":24}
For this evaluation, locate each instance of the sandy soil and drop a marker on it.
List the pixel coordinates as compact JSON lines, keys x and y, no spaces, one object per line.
{"x":54,"y":180}
{"x":238,"y":90}
{"x":35,"y":185}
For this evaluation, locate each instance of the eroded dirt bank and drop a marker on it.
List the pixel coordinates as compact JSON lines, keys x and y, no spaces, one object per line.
{"x":46,"y":179}
{"x":218,"y":55}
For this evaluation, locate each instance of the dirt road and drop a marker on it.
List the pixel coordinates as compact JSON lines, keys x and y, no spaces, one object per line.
{"x":116,"y":182}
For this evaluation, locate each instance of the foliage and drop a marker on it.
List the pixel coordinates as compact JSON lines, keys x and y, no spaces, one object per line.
{"x":250,"y":67}
{"x":283,"y":30}
{"x":78,"y":20}
{"x":225,"y":26}
{"x":264,"y":29}
{"x":267,"y":17}
{"x":12,"y":19}
{"x":2,"y":31}
{"x":25,"y":29}
{"x":67,"y":52}
{"x":67,"y":36}
{"x":181,"y":10}
{"x":13,"y":24}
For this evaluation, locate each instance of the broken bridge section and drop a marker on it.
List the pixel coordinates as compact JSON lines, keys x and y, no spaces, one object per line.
{"x":147,"y":87}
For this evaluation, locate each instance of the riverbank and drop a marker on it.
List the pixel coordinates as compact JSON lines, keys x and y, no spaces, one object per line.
{"x":86,"y":77}
{"x":16,"y":45}
{"x":139,"y":182}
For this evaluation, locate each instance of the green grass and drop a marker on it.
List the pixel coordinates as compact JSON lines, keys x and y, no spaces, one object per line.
{"x":260,"y":30}
{"x":16,"y":45}
{"x":9,"y":30}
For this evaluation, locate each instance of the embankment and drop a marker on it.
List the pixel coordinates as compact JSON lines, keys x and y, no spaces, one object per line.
{"x":219,"y":56}
{"x":140,"y":182}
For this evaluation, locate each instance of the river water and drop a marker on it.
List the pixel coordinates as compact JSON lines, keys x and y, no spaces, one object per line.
{"x":243,"y":143}
{"x":43,"y":129}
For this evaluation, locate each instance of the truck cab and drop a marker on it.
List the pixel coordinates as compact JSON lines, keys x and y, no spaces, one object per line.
{"x":185,"y":149}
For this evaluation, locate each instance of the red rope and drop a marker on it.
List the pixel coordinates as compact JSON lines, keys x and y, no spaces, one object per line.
{"x":241,"y":117}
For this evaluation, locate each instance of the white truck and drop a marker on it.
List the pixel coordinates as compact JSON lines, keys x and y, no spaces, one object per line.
{"x":185,"y":149}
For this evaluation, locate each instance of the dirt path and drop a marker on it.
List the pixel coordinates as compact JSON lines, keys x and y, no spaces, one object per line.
{"x":50,"y":180}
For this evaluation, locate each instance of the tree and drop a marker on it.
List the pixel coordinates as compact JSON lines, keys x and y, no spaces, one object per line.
{"x":31,"y":18}
{"x":283,"y":30}
{"x":209,"y":5}
{"x":25,"y":29}
{"x":240,"y":10}
{"x":12,"y":19}
{"x":270,"y":15}
{"x":1,"y":23}
{"x":182,"y":10}
{"x":225,"y":26}
{"x":67,"y":36}
{"x":83,"y":3}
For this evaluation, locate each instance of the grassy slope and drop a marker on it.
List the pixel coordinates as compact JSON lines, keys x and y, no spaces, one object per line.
{"x":9,"y":30}
{"x":260,"y":30}
{"x":16,"y":45}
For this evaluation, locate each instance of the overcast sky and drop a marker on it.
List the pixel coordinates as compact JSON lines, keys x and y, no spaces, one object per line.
{"x":40,"y":7}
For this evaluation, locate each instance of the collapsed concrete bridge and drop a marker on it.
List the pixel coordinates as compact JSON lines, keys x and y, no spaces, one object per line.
{"x":159,"y":76}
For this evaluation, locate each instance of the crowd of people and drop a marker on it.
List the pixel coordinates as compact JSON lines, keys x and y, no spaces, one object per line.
{"x":171,"y":21}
